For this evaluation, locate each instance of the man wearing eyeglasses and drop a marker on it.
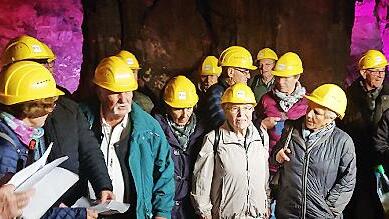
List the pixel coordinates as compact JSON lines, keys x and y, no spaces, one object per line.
{"x":368,"y":98}
{"x":236,"y":63}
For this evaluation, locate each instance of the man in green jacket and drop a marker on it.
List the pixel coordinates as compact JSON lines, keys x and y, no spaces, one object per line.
{"x":264,"y":81}
{"x":135,"y":148}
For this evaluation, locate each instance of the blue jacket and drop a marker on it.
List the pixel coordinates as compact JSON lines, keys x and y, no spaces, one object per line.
{"x":149,"y":161}
{"x":212,"y":110}
{"x":13,"y":157}
{"x":184,"y":161}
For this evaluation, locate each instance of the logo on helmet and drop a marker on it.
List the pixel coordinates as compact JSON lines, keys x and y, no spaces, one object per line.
{"x":182,"y":95}
{"x":36,"y":48}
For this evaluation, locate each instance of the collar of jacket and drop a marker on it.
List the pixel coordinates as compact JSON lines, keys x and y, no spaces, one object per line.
{"x":229,"y":136}
{"x":357,"y":82}
{"x":223,"y":82}
{"x":199,"y":130}
{"x":298,"y":136}
{"x":139,"y":118}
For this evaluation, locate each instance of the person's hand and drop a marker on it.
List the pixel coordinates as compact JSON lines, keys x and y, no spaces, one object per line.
{"x":282,"y":156}
{"x":13,"y":202}
{"x":158,"y":217}
{"x":269,"y":122}
{"x":268,"y":213}
{"x":106,"y":195}
{"x":91,"y":214}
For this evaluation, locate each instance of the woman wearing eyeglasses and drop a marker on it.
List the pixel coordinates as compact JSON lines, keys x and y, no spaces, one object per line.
{"x":28,"y":94}
{"x":230,"y":178}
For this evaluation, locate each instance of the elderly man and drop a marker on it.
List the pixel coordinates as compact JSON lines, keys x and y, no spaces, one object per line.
{"x":230,"y":178}
{"x":318,"y":160}
{"x":236,"y":63}
{"x":208,"y":73}
{"x":139,"y":97}
{"x":135,"y":148}
{"x":368,"y":98}
{"x":264,"y":81}
{"x":66,"y":127}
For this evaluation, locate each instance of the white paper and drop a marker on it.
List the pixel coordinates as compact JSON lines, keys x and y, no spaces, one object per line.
{"x":107,"y":208}
{"x":47,"y":191}
{"x":49,"y":181}
{"x":111,"y":206}
{"x":27,"y":172}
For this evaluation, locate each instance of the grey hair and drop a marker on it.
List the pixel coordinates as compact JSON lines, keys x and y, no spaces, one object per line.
{"x":329,"y":114}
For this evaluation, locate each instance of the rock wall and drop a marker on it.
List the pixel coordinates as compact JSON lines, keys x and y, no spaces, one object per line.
{"x":57,"y":23}
{"x":172,"y":36}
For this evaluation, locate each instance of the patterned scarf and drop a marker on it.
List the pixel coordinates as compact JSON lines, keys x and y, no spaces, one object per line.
{"x":183,"y":133}
{"x":287,"y":101}
{"x":311,"y":138}
{"x":28,"y":135}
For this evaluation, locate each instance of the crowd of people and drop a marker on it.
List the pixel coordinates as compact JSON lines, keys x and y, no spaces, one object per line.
{"x":244,"y":139}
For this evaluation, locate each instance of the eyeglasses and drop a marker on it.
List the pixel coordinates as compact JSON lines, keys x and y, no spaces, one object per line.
{"x":375,"y":72}
{"x":243,"y":109}
{"x":243,"y":71}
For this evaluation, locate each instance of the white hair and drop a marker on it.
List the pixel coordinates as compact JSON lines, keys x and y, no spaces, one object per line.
{"x":329,"y":114}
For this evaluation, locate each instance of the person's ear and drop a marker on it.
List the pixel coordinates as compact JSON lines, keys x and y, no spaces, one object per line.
{"x":230,"y":72}
{"x":363,"y":73}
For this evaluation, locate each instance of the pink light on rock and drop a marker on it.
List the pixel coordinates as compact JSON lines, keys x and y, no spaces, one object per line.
{"x":56,"y":23}
{"x":370,"y":31}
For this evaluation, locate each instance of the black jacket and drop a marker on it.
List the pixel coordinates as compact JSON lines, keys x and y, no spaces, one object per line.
{"x":317,"y":182}
{"x":211,"y":109}
{"x":360,"y":123}
{"x":68,"y":129}
{"x":381,"y":140}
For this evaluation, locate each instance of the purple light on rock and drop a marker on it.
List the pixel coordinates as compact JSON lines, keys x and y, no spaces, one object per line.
{"x":369,"y":32}
{"x":56,"y":23}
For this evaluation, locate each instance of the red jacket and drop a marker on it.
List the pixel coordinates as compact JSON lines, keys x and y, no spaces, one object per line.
{"x":269,"y":107}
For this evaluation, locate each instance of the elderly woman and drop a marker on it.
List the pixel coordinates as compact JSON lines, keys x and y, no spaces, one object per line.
{"x":231,"y":172}
{"x":317,"y":176}
{"x":28,"y":94}
{"x":184,"y":132}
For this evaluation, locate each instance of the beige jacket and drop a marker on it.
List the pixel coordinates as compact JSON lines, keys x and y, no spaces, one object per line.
{"x":235,"y":185}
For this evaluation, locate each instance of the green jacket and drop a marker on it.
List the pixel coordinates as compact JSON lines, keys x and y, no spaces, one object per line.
{"x":150,"y":163}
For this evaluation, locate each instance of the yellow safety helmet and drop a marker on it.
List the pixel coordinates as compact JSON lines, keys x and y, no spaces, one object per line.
{"x":26,"y":48}
{"x":26,"y":80}
{"x":129,"y":58}
{"x":237,"y":56}
{"x":180,"y":92}
{"x":239,"y":93}
{"x":372,"y":59}
{"x":210,"y":67}
{"x":288,"y":65}
{"x":330,"y":96}
{"x":266,"y":53}
{"x":113,"y":74}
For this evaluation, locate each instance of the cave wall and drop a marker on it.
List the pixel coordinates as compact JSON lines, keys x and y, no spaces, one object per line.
{"x":172,"y":36}
{"x":57,"y":23}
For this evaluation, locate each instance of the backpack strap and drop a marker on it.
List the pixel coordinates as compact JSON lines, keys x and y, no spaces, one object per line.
{"x":216,"y":142}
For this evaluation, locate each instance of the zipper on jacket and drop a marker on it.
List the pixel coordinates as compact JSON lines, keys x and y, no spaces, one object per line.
{"x":304,"y":207}
{"x":246,"y":148}
{"x":305,"y":177}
